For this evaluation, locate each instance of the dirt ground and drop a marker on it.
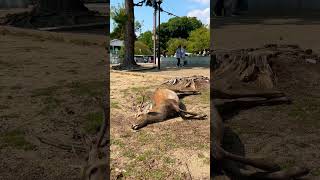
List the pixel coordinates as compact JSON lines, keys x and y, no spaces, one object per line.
{"x":287,"y":134}
{"x":48,"y":81}
{"x":174,"y":149}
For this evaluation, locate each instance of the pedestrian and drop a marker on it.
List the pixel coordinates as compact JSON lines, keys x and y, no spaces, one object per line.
{"x":178,"y":55}
{"x":183,"y":55}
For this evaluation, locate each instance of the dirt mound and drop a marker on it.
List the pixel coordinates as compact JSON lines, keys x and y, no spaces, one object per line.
{"x":257,"y":68}
{"x":192,"y":83}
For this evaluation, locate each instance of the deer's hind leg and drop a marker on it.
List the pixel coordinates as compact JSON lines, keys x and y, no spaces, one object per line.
{"x":189,"y":115}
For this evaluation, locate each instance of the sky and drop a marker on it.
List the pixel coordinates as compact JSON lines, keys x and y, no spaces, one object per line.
{"x":191,"y":8}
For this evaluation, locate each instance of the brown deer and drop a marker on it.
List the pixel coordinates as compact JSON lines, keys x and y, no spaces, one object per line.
{"x":166,"y":104}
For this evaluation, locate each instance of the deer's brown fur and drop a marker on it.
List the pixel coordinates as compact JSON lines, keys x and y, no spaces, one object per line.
{"x":166,"y":104}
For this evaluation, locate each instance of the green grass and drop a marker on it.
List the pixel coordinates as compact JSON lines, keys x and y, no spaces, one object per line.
{"x":205,"y":97}
{"x":15,"y":139}
{"x":145,"y":155}
{"x":156,"y":174}
{"x":114,"y":104}
{"x":145,"y":138}
{"x":93,"y":122}
{"x":117,"y":142}
{"x":168,"y":160}
{"x":130,"y":154}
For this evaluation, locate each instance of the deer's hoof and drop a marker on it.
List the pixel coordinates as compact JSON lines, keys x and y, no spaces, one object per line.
{"x":135,"y":127}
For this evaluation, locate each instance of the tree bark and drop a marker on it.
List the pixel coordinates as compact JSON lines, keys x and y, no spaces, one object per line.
{"x":129,"y":36}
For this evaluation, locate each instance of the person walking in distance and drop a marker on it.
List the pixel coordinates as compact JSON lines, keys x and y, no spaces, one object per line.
{"x":183,"y":55}
{"x":178,"y":55}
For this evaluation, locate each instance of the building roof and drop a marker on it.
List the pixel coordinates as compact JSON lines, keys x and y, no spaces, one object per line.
{"x":116,"y":42}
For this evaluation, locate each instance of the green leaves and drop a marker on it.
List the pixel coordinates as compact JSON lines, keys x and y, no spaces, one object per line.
{"x":199,"y":40}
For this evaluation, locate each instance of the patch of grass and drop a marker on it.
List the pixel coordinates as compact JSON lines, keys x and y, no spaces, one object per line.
{"x":93,"y":122}
{"x":169,"y":142}
{"x":130,"y":154}
{"x":114,"y":104}
{"x":206,"y":161}
{"x":145,"y":137}
{"x":92,"y":89}
{"x":117,"y":142}
{"x":49,"y":91}
{"x":168,"y":160}
{"x":15,"y":139}
{"x":145,"y":155}
{"x":138,"y":89}
{"x":156,"y":174}
{"x":205,"y":97}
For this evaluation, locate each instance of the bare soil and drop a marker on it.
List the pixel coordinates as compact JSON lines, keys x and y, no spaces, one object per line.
{"x":48,"y":82}
{"x":174,"y":149}
{"x":286,"y":134}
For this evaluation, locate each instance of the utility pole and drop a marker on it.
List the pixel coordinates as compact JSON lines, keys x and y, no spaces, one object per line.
{"x":154,"y":31}
{"x":159,"y":51}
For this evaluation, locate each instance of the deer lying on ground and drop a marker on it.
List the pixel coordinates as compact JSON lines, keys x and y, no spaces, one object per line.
{"x":166,"y":104}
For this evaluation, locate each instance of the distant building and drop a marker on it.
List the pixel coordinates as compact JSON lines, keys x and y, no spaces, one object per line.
{"x":14,"y":3}
{"x":115,"y":46}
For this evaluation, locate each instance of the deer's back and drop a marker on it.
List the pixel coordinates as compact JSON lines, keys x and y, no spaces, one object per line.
{"x":161,"y":96}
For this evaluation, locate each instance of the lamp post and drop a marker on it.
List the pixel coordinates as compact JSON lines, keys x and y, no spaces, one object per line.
{"x":159,"y":50}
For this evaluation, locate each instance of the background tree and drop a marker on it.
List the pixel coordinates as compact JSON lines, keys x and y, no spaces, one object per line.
{"x":199,"y":40}
{"x":141,"y":49}
{"x":118,"y":15}
{"x":146,"y":38}
{"x":174,"y":43}
{"x":177,"y":27}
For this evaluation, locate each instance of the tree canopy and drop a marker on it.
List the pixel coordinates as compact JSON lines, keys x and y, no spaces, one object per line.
{"x":177,"y":27}
{"x":174,"y":43}
{"x":118,"y":15}
{"x":146,"y":38}
{"x":199,"y":40}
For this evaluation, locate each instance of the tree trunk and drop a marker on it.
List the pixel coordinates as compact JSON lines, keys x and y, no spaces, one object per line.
{"x":129,"y":36}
